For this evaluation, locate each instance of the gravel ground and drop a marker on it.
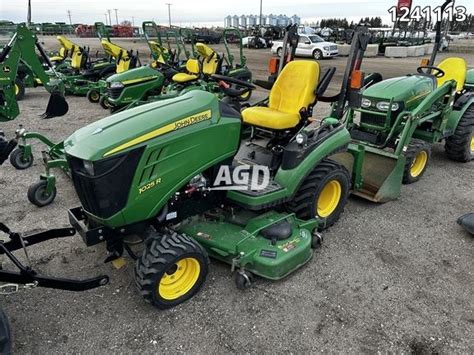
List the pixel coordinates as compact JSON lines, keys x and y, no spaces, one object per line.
{"x":392,"y":277}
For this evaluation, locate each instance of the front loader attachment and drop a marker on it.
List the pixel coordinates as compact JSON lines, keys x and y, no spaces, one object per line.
{"x":57,"y":106}
{"x":376,"y":174}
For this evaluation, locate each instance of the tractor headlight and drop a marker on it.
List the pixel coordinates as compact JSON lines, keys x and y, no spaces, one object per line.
{"x":301,"y":138}
{"x":385,"y":105}
{"x":89,"y":167}
{"x":116,"y":85}
{"x":366,"y":103}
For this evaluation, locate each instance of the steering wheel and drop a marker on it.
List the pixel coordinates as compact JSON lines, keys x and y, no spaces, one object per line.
{"x":439,"y":73}
{"x":230,"y":91}
{"x":230,"y":80}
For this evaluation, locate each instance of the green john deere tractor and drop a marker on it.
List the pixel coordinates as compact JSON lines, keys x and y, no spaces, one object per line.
{"x":394,"y":122}
{"x":192,"y":177}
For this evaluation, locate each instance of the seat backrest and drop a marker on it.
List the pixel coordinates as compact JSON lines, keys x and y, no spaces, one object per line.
{"x":455,"y":69}
{"x":209,"y":58}
{"x":76,"y":59}
{"x":192,"y":66}
{"x":295,"y":87}
{"x":158,"y":52}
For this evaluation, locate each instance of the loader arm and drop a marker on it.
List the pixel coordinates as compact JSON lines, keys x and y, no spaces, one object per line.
{"x":23,"y":46}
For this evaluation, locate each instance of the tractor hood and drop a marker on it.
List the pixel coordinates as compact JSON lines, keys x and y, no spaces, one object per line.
{"x":134,"y":127}
{"x":408,"y":89}
{"x":134,"y":76}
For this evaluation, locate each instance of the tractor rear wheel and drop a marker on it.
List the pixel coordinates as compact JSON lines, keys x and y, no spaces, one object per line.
{"x":19,"y":89}
{"x":323,"y":193}
{"x":417,"y":158}
{"x":460,"y":146}
{"x":171,"y":270}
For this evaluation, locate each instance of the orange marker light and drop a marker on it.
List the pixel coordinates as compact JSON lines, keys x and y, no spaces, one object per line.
{"x":273,"y":65}
{"x":357,"y":79}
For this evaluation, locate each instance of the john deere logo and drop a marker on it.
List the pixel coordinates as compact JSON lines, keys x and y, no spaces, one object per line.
{"x":6,"y":69}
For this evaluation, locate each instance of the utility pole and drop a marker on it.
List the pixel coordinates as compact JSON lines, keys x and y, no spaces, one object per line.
{"x":106,"y":19}
{"x":69,"y":15}
{"x":169,"y":13}
{"x":261,"y":13}
{"x":116,"y":16}
{"x":110,"y":18}
{"x":28,"y":16}
{"x":133,"y":21}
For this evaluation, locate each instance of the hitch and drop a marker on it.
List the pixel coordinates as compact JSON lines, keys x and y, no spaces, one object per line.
{"x":27,"y":276}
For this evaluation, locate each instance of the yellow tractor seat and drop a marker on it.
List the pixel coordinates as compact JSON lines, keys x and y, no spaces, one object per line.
{"x":158,"y":51}
{"x":124,"y":62}
{"x":455,"y":68}
{"x":192,"y":67}
{"x":293,"y":91}
{"x":209,"y":57}
{"x":56,"y":58}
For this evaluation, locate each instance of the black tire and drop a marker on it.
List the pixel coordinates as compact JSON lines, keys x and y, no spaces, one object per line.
{"x":5,"y":334}
{"x":104,"y":102}
{"x":19,"y":89}
{"x":93,"y":96}
{"x":279,"y":52}
{"x":162,"y":255}
{"x":317,"y":54}
{"x":460,"y":146}
{"x":419,"y":153}
{"x":37,"y":194}
{"x":243,"y":280}
{"x":18,"y":160}
{"x":327,"y":174}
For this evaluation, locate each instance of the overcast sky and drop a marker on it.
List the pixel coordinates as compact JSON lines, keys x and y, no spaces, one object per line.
{"x":202,"y":12}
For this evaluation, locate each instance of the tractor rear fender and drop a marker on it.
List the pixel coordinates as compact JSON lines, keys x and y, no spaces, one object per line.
{"x":292,"y":178}
{"x":455,"y":116}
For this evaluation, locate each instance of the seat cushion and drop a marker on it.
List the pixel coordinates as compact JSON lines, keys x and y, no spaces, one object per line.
{"x":269,"y":118}
{"x":184,"y":78}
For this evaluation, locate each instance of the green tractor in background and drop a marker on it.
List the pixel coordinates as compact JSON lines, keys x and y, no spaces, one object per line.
{"x":84,"y":77}
{"x":145,"y":84}
{"x":394,"y":122}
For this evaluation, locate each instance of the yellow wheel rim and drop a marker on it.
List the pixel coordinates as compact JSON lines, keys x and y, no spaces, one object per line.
{"x":179,"y":279}
{"x":472,"y":144}
{"x":17,"y":89}
{"x":329,"y":198}
{"x":419,"y":164}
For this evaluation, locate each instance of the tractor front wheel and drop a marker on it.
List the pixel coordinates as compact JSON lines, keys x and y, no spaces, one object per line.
{"x":323,"y":193}
{"x":417,"y":158}
{"x":104,"y":102}
{"x":93,"y":96}
{"x":19,"y":161}
{"x":38,"y":195}
{"x":171,"y":270}
{"x":460,"y":146}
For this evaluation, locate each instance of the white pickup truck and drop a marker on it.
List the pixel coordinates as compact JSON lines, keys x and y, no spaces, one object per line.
{"x":310,"y":46}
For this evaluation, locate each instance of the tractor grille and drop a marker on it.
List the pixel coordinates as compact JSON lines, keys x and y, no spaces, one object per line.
{"x":373,"y":119}
{"x":114,"y":93}
{"x":105,"y":192}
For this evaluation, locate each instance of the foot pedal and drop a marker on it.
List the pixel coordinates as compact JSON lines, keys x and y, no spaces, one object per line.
{"x":119,"y":263}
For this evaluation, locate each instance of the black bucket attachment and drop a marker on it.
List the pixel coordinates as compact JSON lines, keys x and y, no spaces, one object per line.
{"x":6,"y":147}
{"x":57,"y":106}
{"x":467,"y":222}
